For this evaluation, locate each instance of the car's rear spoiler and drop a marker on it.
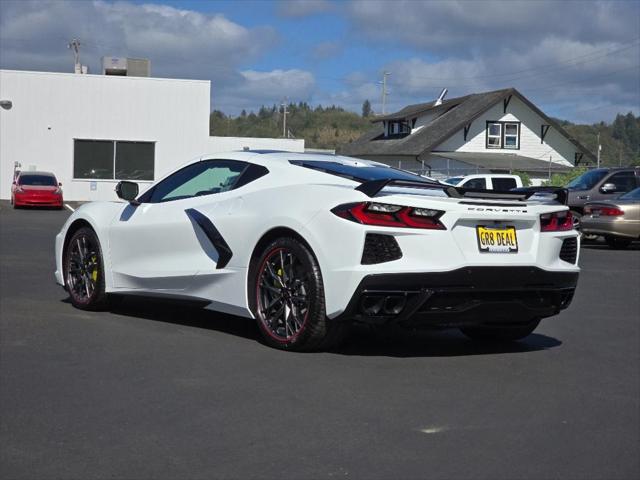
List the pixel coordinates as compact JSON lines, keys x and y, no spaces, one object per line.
{"x":547,"y":193}
{"x":373,"y":187}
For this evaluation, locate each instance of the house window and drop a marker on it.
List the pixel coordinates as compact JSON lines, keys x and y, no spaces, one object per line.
{"x":113,"y":160}
{"x":494,"y":135}
{"x":511,"y":135}
{"x":503,"y":135}
{"x":399,"y":128}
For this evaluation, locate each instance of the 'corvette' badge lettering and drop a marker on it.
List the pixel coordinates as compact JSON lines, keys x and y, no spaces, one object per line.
{"x":498,"y":210}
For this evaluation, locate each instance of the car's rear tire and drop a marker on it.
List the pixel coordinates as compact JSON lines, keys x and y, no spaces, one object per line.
{"x":83,"y":270}
{"x":617,"y":243}
{"x":286,"y":296}
{"x":503,"y":333}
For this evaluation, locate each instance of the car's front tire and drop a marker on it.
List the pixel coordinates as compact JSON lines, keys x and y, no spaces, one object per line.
{"x":503,"y":333}
{"x":286,"y":295}
{"x":84,"y":271}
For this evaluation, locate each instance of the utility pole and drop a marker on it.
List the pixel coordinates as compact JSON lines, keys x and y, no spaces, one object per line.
{"x":599,"y":148}
{"x":384,"y":90}
{"x":284,"y":117}
{"x":75,"y":46}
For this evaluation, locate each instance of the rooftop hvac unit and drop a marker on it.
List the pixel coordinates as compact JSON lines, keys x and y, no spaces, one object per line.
{"x":129,"y":67}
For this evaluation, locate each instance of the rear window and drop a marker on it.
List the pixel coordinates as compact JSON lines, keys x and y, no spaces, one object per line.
{"x":587,"y":180}
{"x":632,"y":195}
{"x":503,"y":183}
{"x":359,"y":174}
{"x":38,"y":180}
{"x":477,"y":183}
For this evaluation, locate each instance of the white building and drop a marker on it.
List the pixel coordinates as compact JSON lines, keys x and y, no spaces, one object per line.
{"x":93,"y":130}
{"x":498,"y":132}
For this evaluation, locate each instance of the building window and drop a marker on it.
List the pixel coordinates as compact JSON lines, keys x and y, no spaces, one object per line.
{"x":399,"y":128}
{"x":113,"y":160}
{"x":503,"y":135}
{"x":494,"y":135}
{"x":134,"y":160}
{"x":511,"y":135}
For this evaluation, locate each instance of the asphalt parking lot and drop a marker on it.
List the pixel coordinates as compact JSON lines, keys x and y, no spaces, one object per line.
{"x":155,"y":390}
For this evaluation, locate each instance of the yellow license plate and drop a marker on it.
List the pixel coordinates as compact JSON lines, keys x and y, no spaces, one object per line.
{"x":497,"y":240}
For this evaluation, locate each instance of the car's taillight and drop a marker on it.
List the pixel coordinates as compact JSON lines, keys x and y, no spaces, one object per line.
{"x":603,"y":211}
{"x":556,"y":221}
{"x":385,"y":215}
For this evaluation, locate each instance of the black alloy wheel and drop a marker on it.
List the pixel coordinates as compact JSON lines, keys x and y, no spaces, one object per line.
{"x":288,"y":298}
{"x":83,"y":270}
{"x":282,"y":295}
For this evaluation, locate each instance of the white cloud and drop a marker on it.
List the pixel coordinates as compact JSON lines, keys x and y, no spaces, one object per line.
{"x":303,"y":8}
{"x":179,"y":43}
{"x":557,"y":53}
{"x":255,"y":88}
{"x":466,"y":27}
{"x":325,"y":50}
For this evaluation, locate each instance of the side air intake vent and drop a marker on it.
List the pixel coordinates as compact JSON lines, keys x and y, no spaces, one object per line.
{"x":569,"y":250}
{"x":379,"y":249}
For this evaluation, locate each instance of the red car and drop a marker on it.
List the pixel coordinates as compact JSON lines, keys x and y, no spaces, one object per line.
{"x":36,"y":189}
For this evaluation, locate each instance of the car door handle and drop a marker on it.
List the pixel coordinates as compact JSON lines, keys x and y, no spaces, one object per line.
{"x":584,"y":197}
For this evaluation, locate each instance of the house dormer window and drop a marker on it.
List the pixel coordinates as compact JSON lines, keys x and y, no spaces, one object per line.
{"x":399,"y":127}
{"x":503,"y":135}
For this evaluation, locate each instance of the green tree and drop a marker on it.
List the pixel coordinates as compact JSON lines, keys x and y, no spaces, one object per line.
{"x":366,"y":108}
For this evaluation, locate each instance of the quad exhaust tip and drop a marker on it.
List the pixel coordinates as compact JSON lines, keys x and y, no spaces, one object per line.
{"x":377,"y":305}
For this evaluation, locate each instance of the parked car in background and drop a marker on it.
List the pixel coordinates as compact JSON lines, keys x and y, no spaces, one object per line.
{"x":486,"y":181}
{"x":600,"y":184}
{"x":617,"y":220}
{"x":36,"y":189}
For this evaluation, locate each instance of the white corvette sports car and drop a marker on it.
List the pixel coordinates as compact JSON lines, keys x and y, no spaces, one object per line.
{"x":306,"y":244}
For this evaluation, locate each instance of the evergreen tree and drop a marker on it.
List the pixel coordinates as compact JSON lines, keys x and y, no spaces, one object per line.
{"x":366,"y":109}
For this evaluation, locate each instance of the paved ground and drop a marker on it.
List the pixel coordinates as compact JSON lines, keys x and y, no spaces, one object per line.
{"x":157,"y":391}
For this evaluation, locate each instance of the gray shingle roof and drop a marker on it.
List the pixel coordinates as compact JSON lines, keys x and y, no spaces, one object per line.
{"x":458,"y":112}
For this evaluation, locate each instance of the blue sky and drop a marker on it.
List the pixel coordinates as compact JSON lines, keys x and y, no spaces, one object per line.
{"x":577,"y":60}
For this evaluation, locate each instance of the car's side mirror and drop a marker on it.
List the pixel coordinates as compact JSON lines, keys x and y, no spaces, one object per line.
{"x":59,"y":184}
{"x":127,"y":191}
{"x":608,"y":188}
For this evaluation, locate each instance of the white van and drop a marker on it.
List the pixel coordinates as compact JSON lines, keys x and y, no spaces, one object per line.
{"x":488,"y":181}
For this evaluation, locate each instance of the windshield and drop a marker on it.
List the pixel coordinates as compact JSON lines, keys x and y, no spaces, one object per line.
{"x":38,"y":180}
{"x":359,"y":174}
{"x":454,"y":180}
{"x":632,"y":195}
{"x":587,"y":180}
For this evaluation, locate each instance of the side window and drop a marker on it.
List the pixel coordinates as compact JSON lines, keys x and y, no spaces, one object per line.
{"x":503,"y":183}
{"x":624,"y":181}
{"x":477,"y":183}
{"x":201,"y":178}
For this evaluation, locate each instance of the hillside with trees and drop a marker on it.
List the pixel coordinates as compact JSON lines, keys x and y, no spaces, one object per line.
{"x":329,"y":127}
{"x":321,"y":127}
{"x":620,"y":140}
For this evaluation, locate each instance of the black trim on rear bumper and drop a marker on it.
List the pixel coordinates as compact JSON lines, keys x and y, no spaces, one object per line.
{"x":466,"y":296}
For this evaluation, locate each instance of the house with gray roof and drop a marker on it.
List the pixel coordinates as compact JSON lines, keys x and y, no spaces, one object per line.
{"x":491,"y":132}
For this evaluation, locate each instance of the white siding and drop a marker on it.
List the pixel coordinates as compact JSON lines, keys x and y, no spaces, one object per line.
{"x":555,"y":145}
{"x":51,"y":109}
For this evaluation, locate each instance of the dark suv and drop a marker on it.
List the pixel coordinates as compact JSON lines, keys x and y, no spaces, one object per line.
{"x":600,"y":184}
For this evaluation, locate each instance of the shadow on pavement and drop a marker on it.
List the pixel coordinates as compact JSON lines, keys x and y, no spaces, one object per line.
{"x":635,"y":246}
{"x":362,"y":340}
